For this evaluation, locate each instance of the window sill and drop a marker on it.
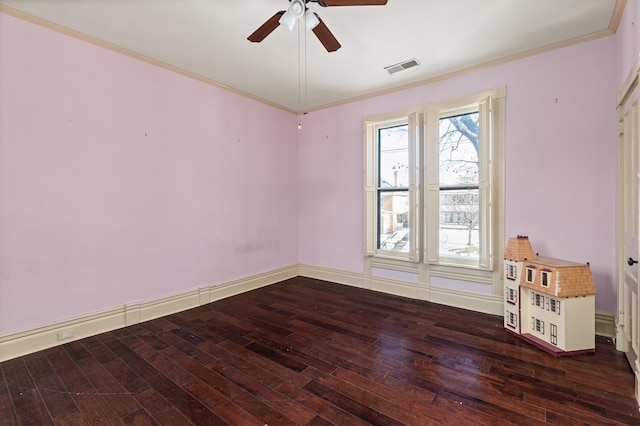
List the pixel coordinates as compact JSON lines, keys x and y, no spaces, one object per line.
{"x":394,"y":263}
{"x":455,"y":272}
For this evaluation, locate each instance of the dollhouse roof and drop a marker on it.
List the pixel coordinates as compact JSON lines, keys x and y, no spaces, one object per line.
{"x":519,"y":249}
{"x":567,"y":279}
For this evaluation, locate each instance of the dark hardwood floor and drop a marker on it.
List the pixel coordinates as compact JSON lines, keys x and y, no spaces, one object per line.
{"x":308,"y":352}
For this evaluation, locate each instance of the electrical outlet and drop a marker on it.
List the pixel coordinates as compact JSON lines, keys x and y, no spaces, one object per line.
{"x":64,"y":335}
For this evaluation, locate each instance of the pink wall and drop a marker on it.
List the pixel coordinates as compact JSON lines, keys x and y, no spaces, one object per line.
{"x":627,"y":41}
{"x":561,"y":161}
{"x":122,"y":182}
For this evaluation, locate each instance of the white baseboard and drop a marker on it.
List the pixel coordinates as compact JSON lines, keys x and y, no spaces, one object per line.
{"x":462,"y":299}
{"x":22,"y":343}
{"x":478,"y":302}
{"x":606,"y":325}
{"x":353,"y":279}
{"x":17,"y":344}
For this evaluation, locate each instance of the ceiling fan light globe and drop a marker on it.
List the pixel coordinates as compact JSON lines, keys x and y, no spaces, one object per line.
{"x":297,"y":8}
{"x":287,"y":20}
{"x":311,"y":20}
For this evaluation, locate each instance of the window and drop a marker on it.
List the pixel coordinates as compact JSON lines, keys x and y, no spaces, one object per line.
{"x":393,"y":188}
{"x":545,"y":276}
{"x":530,"y":274}
{"x":538,"y":300}
{"x":511,"y":295}
{"x":554,"y":306}
{"x":511,"y":272}
{"x":553,"y":330}
{"x":512,"y":319}
{"x":537,"y":325}
{"x":433,"y":182}
{"x":459,"y":186}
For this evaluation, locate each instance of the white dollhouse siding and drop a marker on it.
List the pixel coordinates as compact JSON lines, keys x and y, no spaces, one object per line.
{"x":581,"y":321}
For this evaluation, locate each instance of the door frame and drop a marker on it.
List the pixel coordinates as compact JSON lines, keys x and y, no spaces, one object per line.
{"x":627,"y":95}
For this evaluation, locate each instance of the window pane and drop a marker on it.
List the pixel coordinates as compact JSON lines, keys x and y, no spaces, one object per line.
{"x":394,"y":157}
{"x":459,"y":230}
{"x":459,"y":150}
{"x":393,"y":221}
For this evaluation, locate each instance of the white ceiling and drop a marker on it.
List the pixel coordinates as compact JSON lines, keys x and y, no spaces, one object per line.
{"x":209,"y":38}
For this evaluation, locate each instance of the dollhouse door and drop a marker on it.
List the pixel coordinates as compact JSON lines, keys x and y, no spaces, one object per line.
{"x":627,"y":331}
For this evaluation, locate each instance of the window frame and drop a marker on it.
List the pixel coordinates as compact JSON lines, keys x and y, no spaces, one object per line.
{"x":530,"y":274}
{"x":372,"y":162}
{"x":537,"y":325}
{"x":424,"y":189}
{"x":511,"y":272}
{"x":545,"y":278}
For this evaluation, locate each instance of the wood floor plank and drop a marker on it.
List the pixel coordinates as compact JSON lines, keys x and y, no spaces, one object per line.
{"x":28,"y":405}
{"x":96,"y":409}
{"x":354,"y":407}
{"x":160,"y":409}
{"x":184,"y":402}
{"x":315,"y":353}
{"x":119,"y":399}
{"x":221,"y":405}
{"x":57,"y":399}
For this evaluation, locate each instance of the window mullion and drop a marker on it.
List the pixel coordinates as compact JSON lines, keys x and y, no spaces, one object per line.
{"x":371,"y":186}
{"x":414,"y":186}
{"x":485,"y":195}
{"x":432,"y":189}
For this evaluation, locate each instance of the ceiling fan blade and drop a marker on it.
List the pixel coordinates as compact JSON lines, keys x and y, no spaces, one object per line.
{"x":266,"y":28}
{"x":352,"y":2}
{"x":326,"y":37}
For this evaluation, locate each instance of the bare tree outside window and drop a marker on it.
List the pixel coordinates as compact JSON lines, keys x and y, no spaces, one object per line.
{"x":459,"y":186}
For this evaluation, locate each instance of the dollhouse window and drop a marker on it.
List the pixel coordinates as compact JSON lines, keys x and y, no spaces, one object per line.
{"x":538,"y":300}
{"x":545,"y":276}
{"x":511,"y":272}
{"x":537,"y":325}
{"x":553,"y":330}
{"x":530,"y":274}
{"x":512,"y":319}
{"x":554,"y":306}
{"x":512,"y":295}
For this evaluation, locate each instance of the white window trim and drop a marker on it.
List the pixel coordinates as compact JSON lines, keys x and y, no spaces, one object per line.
{"x":530,"y":272}
{"x":544,"y":274}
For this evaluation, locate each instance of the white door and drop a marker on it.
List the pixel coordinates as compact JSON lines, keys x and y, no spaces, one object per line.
{"x":627,"y":337}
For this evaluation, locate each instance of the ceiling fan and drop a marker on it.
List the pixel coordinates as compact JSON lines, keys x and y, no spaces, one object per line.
{"x":298,"y":9}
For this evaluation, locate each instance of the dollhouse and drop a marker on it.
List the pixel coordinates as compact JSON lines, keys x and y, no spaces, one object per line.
{"x":548,"y":302}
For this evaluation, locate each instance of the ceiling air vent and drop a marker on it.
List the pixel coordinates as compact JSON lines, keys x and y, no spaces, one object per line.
{"x":402,"y":66}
